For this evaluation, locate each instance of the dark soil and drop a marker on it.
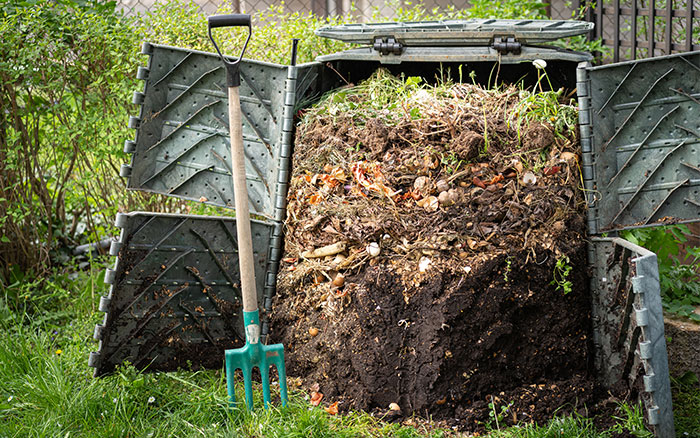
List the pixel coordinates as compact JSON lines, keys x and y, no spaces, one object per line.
{"x":458,"y":315}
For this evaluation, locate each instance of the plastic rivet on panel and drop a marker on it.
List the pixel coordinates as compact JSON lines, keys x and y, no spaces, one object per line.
{"x":129,"y":146}
{"x":142,"y":73}
{"x":649,"y":381}
{"x":114,"y":248}
{"x":97,"y":335}
{"x":642,"y":317}
{"x":121,"y":220}
{"x":653,"y":414}
{"x":134,"y":122}
{"x":125,"y":171}
{"x":138,"y":98}
{"x":645,"y":350}
{"x":94,"y":359}
{"x":146,"y":48}
{"x":104,"y":304}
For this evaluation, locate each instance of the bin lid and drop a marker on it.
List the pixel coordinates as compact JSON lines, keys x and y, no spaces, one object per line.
{"x":472,"y":32}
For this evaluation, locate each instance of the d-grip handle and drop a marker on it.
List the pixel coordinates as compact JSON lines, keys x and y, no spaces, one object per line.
{"x":232,"y":76}
{"x":228,"y":20}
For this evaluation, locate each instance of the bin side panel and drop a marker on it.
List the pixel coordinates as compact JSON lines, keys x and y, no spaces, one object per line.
{"x":645,"y":119}
{"x":628,"y":328}
{"x":174,"y":299}
{"x":182,"y":143}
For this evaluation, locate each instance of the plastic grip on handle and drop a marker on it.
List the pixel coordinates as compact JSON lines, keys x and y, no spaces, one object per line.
{"x":228,"y":20}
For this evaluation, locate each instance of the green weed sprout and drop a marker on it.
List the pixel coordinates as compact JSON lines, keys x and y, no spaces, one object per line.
{"x":561,"y":273}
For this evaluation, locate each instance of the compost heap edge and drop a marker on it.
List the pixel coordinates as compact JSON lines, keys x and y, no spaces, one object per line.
{"x":435,"y":254}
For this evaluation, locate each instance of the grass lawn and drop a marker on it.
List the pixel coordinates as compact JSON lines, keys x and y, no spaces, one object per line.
{"x":48,"y":389}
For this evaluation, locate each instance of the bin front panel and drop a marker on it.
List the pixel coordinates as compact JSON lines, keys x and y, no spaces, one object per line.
{"x":628,"y":327}
{"x":174,"y":299}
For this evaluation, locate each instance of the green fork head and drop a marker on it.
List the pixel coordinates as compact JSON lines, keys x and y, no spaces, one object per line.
{"x":254,"y":354}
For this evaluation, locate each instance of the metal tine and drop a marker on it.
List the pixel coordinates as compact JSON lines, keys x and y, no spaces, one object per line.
{"x":185,"y":123}
{"x":189,"y":87}
{"x":668,"y":195}
{"x":204,"y":169}
{"x":257,"y":94}
{"x":696,"y":203}
{"x":649,"y":176}
{"x":178,"y":64}
{"x":639,"y":104}
{"x":230,"y":370}
{"x":617,"y":88}
{"x":248,"y":384}
{"x":265,"y":380}
{"x":641,"y":144}
{"x":176,"y":159}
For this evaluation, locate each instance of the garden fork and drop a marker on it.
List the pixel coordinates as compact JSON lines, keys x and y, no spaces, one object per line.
{"x":254,"y":354}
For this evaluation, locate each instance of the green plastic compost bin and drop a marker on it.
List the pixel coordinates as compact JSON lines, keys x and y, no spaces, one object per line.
{"x":640,"y":134}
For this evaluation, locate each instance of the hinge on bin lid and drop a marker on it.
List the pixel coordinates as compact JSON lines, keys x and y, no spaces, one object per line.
{"x":387,"y":45}
{"x":506,"y":45}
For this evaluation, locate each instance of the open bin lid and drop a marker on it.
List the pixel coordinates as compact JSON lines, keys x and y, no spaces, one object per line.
{"x":507,"y":41}
{"x":474,"y":32}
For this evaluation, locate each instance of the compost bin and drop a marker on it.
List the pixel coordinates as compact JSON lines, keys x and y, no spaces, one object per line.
{"x":174,"y":299}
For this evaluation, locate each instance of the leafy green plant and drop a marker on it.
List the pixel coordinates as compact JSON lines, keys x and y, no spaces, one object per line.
{"x":562,"y":269}
{"x":680,"y":283}
{"x":497,"y":414}
{"x":686,"y":399}
{"x":506,"y":271}
{"x":631,"y":421}
{"x":65,"y":78}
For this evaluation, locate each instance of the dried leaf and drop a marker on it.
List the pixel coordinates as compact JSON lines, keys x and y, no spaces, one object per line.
{"x":477,"y":182}
{"x":332,"y":409}
{"x":496,"y":179}
{"x":552,"y":170}
{"x":316,"y":398}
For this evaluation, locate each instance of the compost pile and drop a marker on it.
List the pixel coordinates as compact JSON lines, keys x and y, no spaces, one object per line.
{"x":435,"y":255}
